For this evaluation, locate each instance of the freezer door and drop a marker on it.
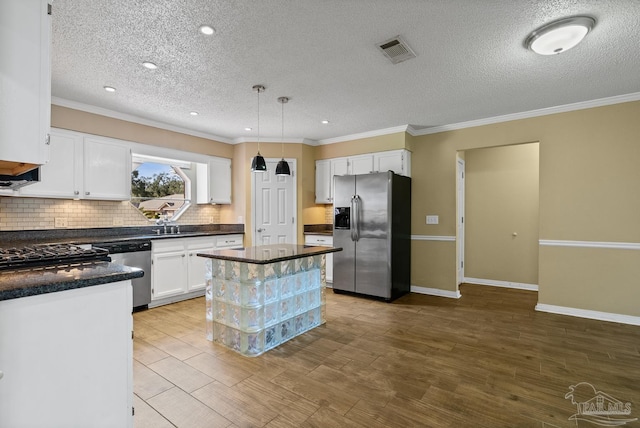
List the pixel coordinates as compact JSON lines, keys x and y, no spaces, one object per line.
{"x":373,"y":248}
{"x":343,"y":261}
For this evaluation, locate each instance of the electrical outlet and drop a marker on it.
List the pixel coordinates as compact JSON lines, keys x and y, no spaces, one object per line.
{"x":432,"y":219}
{"x":117,"y":221}
{"x":60,"y":222}
{"x":210,"y":219}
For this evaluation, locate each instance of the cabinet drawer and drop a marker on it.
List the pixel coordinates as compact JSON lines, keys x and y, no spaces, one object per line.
{"x":319,"y":240}
{"x":229,"y":241}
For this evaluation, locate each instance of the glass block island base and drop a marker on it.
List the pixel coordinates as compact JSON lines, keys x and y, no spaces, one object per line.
{"x":260,"y":297}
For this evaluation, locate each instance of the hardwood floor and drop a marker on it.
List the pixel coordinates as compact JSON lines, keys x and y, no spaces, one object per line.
{"x":485,"y":360}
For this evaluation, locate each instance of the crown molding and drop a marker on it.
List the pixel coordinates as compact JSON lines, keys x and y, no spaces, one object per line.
{"x":369,"y":134}
{"x":635,"y":96}
{"x":240,"y":140}
{"x":135,"y":119}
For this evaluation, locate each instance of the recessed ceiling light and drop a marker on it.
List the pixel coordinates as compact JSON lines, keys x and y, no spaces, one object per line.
{"x":559,"y":36}
{"x":207,"y":30}
{"x":109,"y":89}
{"x":324,"y":122}
{"x":193,"y":113}
{"x":247,"y":129}
{"x":149,"y":65}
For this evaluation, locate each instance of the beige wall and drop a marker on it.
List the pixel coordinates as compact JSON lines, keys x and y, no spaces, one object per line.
{"x":588,"y":192}
{"x":76,"y":120}
{"x":502,"y":200}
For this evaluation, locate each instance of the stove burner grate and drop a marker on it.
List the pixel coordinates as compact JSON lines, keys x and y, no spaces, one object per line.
{"x":48,"y":255}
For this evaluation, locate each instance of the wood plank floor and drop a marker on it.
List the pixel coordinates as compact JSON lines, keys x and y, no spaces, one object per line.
{"x":485,"y":360}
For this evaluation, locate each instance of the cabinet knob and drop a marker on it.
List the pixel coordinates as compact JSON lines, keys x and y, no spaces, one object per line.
{"x":87,"y":193}
{"x":76,"y":192}
{"x":183,"y":255}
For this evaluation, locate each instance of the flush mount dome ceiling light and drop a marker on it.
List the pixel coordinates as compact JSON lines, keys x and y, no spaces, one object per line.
{"x":559,"y":36}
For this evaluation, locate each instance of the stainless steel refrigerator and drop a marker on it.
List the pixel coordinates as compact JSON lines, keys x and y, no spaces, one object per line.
{"x":372,"y":224}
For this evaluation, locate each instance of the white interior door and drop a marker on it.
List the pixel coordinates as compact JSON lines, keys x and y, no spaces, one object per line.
{"x":460,"y":219}
{"x":274,"y":205}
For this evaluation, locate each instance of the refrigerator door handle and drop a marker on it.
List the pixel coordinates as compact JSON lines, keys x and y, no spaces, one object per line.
{"x":355,"y":226}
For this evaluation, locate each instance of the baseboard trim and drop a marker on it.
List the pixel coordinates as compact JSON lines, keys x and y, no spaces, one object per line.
{"x":590,"y":244}
{"x":436,"y":292}
{"x":584,"y":313}
{"x":432,"y":238}
{"x":504,"y":284}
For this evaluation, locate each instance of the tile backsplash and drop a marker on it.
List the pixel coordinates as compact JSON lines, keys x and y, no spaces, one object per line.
{"x":328,"y":214}
{"x":36,"y":213}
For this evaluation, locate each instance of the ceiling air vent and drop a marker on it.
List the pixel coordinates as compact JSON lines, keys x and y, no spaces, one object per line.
{"x":396,"y":49}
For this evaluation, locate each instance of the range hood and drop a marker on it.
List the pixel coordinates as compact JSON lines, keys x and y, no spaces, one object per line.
{"x":16,"y":181}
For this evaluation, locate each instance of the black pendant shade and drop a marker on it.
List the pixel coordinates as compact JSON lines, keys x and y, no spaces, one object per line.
{"x":283,"y":168}
{"x":259,"y":165}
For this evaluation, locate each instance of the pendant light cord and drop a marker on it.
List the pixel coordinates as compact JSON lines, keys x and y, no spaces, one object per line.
{"x":282,"y":133}
{"x":258,"y":90}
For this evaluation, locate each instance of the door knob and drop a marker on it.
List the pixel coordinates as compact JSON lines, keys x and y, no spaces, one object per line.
{"x":261,"y":230}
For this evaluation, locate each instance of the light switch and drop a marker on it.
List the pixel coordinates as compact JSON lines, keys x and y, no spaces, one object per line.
{"x":432,"y":219}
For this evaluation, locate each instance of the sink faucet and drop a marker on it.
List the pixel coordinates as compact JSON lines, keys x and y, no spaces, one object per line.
{"x":162,"y":221}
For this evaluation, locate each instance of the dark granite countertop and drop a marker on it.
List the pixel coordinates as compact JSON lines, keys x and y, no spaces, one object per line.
{"x":30,"y":282}
{"x":265,"y":254}
{"x":318,"y":229}
{"x":110,"y":234}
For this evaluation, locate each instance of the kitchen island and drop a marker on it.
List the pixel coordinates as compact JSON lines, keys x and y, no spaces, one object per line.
{"x":66,"y":343}
{"x":260,"y":297}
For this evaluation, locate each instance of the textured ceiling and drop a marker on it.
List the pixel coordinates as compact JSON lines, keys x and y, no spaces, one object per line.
{"x":470,"y":65}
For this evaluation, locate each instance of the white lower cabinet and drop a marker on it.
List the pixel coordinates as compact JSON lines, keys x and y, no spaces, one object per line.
{"x":196,"y":265}
{"x":66,"y":358}
{"x":177,"y":273}
{"x":323,"y":241}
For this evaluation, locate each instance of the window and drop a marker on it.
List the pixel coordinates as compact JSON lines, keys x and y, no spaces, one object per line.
{"x":160,"y":188}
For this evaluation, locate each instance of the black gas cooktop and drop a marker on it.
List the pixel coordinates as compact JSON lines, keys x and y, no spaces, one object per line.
{"x":49,"y":255}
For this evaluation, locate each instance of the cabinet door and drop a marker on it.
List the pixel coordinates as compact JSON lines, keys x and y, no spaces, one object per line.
{"x":168,"y":274}
{"x":220,"y":181}
{"x":61,"y":177}
{"x":361,"y":164}
{"x":25,"y":80}
{"x":323,"y":241}
{"x":339,"y":166}
{"x":398,"y":161}
{"x":323,"y":182}
{"x":196,"y":265}
{"x":107,"y":170}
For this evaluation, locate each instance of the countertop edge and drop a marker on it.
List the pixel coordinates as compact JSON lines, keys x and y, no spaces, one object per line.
{"x":316,"y":252}
{"x":122,"y":273}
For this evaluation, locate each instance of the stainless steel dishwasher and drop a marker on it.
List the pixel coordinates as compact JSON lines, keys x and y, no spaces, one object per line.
{"x":137,"y":254}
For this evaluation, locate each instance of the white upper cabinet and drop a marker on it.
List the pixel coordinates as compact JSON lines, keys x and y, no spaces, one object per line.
{"x":213,"y":181}
{"x":107,"y":170}
{"x":25,"y":84}
{"x":83,"y":168}
{"x":398,"y":161}
{"x":361,"y":164}
{"x":62,"y":176}
{"x":323,"y":182}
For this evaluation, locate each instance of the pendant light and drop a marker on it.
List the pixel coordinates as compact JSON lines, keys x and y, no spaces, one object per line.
{"x":257,"y":163}
{"x":283,"y":166}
